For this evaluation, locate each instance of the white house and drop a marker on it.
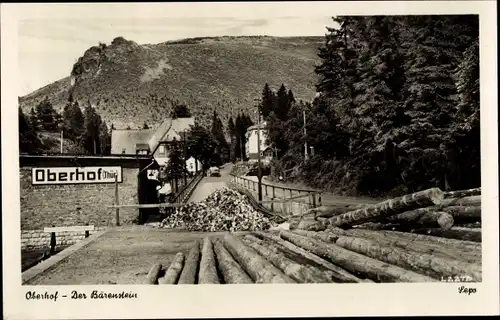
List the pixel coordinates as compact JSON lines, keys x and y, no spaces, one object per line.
{"x":191,"y":165}
{"x":252,"y":143}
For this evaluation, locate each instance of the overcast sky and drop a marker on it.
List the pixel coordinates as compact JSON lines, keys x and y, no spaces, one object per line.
{"x":51,"y":40}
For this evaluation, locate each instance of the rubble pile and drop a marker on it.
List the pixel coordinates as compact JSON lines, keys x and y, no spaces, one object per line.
{"x":223,"y":210}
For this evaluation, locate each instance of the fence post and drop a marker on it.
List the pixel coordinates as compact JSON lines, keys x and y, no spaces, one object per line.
{"x":52,"y":242}
{"x":319,"y":200}
{"x":86,"y":232}
{"x":314,"y":199}
{"x":117,"y":202}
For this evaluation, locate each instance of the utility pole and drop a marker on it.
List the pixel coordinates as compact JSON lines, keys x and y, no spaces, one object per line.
{"x":62,"y":137}
{"x":241,"y":149}
{"x":185,"y":155}
{"x":306,"y":155}
{"x":259,"y":169}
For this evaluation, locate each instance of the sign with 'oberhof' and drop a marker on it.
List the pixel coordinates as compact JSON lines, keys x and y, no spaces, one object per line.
{"x":75,"y":175}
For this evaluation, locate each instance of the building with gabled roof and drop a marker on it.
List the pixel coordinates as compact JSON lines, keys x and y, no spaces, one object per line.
{"x":130,"y":142}
{"x":155,"y":142}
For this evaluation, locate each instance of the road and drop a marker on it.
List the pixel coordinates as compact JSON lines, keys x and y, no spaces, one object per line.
{"x":209,"y":184}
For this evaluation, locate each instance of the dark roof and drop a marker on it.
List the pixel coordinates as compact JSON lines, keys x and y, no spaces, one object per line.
{"x":128,"y":139}
{"x":126,"y":161}
{"x":142,"y":146}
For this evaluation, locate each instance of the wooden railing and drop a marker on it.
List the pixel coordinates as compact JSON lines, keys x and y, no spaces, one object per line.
{"x":285,"y":194}
{"x":183,"y":195}
{"x":178,"y":200}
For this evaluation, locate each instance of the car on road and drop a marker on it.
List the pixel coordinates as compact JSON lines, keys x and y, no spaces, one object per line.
{"x":214,"y":172}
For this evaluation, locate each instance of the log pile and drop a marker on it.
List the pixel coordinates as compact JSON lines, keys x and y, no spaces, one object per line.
{"x":428,"y":236}
{"x":452,"y":214}
{"x":331,"y":256}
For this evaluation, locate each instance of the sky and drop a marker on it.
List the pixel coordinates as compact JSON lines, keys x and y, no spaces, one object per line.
{"x":51,"y":38}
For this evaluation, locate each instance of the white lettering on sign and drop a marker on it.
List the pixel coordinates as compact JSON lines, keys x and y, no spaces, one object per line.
{"x":75,"y":175}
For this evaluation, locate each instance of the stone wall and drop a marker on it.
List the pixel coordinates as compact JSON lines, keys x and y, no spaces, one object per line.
{"x":36,"y":239}
{"x":77,"y":204}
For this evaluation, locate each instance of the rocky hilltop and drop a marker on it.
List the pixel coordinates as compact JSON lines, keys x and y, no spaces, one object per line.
{"x":130,"y":84}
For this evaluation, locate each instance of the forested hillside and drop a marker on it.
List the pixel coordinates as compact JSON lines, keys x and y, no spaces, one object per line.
{"x":397,"y":108}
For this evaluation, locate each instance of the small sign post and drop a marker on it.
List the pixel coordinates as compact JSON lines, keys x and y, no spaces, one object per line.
{"x":117,"y":202}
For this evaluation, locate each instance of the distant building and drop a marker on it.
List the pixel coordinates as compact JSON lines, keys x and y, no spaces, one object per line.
{"x":191,"y":165}
{"x":130,"y":142}
{"x":153,"y":142}
{"x":251,"y":146}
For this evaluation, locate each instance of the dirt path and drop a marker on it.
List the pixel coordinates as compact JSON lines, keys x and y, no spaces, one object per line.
{"x":209,"y":184}
{"x":120,"y":256}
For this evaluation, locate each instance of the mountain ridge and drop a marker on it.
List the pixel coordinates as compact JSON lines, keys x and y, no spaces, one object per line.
{"x":130,"y":84}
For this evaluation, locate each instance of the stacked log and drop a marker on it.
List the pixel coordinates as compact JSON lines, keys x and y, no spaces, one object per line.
{"x":332,"y":256}
{"x":427,"y":236}
{"x":430,"y":211}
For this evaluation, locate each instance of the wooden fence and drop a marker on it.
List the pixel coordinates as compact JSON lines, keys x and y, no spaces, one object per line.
{"x":179,"y":199}
{"x":279,"y":194}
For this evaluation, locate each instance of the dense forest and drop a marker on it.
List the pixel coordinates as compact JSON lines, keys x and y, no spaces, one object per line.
{"x":396,"y":110}
{"x":83,"y":132}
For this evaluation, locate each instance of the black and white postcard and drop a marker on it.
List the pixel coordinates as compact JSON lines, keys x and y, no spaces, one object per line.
{"x":172,"y":160}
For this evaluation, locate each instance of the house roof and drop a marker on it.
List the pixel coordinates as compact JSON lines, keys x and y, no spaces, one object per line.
{"x":169,"y":130}
{"x":256,"y":126}
{"x":128,"y":139}
{"x":142,"y":146}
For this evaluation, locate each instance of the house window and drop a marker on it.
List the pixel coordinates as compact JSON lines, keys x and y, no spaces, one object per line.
{"x":161,"y":150}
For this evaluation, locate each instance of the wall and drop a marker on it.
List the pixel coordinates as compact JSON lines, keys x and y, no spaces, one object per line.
{"x":78,"y":204}
{"x":35,"y":239}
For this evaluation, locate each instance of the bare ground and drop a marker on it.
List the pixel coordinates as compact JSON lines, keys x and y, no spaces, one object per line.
{"x":120,"y":256}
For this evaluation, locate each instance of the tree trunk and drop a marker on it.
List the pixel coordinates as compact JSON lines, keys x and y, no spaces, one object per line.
{"x":389,"y":207}
{"x":324,"y":269}
{"x":230,"y":269}
{"x":355,"y":262}
{"x":427,"y":264}
{"x":464,"y":214}
{"x":311,"y":224}
{"x":463,"y":193}
{"x":338,"y":273}
{"x":322,"y":236}
{"x":454,"y":243}
{"x":296,"y":271}
{"x":208,"y":270}
{"x":466,"y":201}
{"x":467,"y":234}
{"x":261,"y":270}
{"x":377,"y":226}
{"x":152,"y":276}
{"x":326,"y":211}
{"x":190,"y":270}
{"x":172,"y":274}
{"x":417,"y":246}
{"x":424,"y":217}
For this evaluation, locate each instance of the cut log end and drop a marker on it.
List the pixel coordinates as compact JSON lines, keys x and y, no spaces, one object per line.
{"x":153,"y":273}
